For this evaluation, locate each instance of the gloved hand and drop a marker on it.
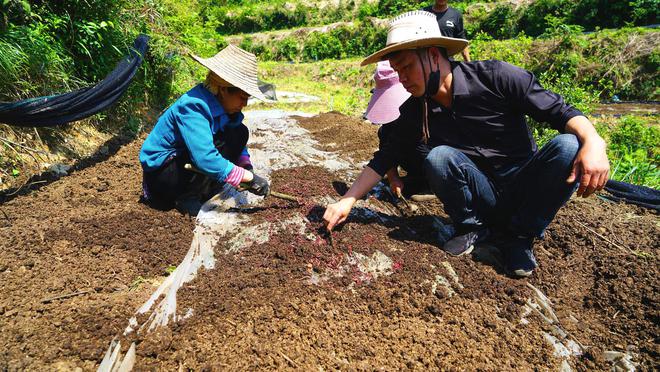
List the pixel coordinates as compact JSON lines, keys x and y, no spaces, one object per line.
{"x":258,"y":186}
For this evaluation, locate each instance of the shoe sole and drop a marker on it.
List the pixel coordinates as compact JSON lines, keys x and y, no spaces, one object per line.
{"x":467,"y":251}
{"x":522,"y":273}
{"x":423,"y":197}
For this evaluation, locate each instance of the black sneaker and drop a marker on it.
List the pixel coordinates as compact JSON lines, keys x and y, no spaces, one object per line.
{"x":518,"y":255}
{"x":464,"y":244}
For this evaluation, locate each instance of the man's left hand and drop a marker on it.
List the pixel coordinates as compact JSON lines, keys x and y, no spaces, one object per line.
{"x":591,"y":166}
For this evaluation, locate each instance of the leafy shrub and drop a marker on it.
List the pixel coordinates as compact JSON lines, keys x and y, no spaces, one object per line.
{"x":634,"y":151}
{"x":288,"y":49}
{"x":356,"y":40}
{"x":501,"y":22}
{"x":321,"y":45}
{"x":645,"y":12}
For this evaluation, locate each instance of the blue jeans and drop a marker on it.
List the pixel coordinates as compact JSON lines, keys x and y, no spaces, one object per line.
{"x":522,"y":200}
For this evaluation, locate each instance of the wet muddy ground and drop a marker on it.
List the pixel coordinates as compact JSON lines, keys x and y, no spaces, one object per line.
{"x":379,"y":294}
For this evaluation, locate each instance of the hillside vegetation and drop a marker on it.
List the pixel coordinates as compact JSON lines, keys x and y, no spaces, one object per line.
{"x":52,"y":47}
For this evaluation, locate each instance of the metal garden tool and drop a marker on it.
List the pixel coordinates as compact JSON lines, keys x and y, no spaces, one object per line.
{"x":411,"y":207}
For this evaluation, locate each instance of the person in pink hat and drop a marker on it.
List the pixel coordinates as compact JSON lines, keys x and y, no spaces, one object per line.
{"x":383,"y":109}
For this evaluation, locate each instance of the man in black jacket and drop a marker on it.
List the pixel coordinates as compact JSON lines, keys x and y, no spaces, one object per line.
{"x":485,"y":166}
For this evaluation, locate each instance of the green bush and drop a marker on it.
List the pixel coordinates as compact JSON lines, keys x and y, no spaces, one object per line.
{"x":288,"y":49}
{"x":356,"y":40}
{"x":500,"y":23}
{"x":320,"y":45}
{"x":634,"y":152}
{"x":534,"y":19}
{"x":275,"y":15}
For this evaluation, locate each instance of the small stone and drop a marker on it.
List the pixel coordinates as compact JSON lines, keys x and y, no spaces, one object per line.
{"x":95,"y":250}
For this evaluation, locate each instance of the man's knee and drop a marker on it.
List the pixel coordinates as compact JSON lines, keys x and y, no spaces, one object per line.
{"x":441,"y":157}
{"x":441,"y":160}
{"x":565,"y":147}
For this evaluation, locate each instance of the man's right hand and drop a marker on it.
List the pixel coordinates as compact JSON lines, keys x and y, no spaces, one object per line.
{"x":396,"y":184}
{"x":337,"y":213}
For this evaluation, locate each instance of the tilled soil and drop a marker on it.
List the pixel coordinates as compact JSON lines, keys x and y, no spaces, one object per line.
{"x":297,"y":300}
{"x":86,"y":233}
{"x":259,"y":309}
{"x":352,"y":137}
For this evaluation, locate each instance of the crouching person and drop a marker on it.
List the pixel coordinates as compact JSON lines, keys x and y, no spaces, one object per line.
{"x":484,"y":164}
{"x":383,"y":109}
{"x":204,"y":129}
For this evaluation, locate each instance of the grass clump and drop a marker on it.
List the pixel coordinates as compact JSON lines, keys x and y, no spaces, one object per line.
{"x":634,"y":151}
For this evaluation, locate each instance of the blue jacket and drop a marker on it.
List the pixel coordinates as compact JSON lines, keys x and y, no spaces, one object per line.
{"x":189,"y":126}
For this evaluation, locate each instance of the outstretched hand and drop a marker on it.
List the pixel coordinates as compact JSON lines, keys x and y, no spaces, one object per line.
{"x":337,"y":213}
{"x":591,"y":167}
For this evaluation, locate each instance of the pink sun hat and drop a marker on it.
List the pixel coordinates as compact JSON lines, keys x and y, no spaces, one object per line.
{"x":388,"y":95}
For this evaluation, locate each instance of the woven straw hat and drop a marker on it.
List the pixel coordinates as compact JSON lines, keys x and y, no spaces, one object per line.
{"x":413,"y":30}
{"x":235,"y":67}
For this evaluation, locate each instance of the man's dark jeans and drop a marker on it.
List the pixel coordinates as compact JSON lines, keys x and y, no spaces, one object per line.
{"x":524,"y":199}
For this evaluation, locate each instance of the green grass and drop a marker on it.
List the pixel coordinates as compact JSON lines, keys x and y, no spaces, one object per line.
{"x":634,"y":150}
{"x":341,"y":85}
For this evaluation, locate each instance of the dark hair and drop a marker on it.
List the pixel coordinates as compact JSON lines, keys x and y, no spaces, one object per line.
{"x":442,"y":50}
{"x":234,"y":89}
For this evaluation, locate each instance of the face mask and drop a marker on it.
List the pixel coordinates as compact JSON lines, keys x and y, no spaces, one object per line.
{"x":433,"y":84}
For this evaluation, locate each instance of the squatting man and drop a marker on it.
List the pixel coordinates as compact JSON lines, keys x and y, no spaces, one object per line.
{"x":484,"y":164}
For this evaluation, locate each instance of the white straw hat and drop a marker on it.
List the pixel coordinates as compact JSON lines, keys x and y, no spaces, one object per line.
{"x":236,"y":67}
{"x":413,"y":30}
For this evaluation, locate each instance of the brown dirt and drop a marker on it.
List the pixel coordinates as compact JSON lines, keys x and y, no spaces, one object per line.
{"x":346,"y":135}
{"x":266,"y":315}
{"x":257,"y":309}
{"x":84,"y":232}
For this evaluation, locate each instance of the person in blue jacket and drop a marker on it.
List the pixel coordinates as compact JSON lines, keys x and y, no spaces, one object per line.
{"x":204,"y":128}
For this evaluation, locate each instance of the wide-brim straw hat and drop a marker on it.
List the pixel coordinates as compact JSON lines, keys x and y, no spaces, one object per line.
{"x":414,"y":30}
{"x":388,"y":95}
{"x":235,"y":67}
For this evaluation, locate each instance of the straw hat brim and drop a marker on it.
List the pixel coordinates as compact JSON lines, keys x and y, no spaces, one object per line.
{"x":452,"y":45}
{"x":226,"y":70}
